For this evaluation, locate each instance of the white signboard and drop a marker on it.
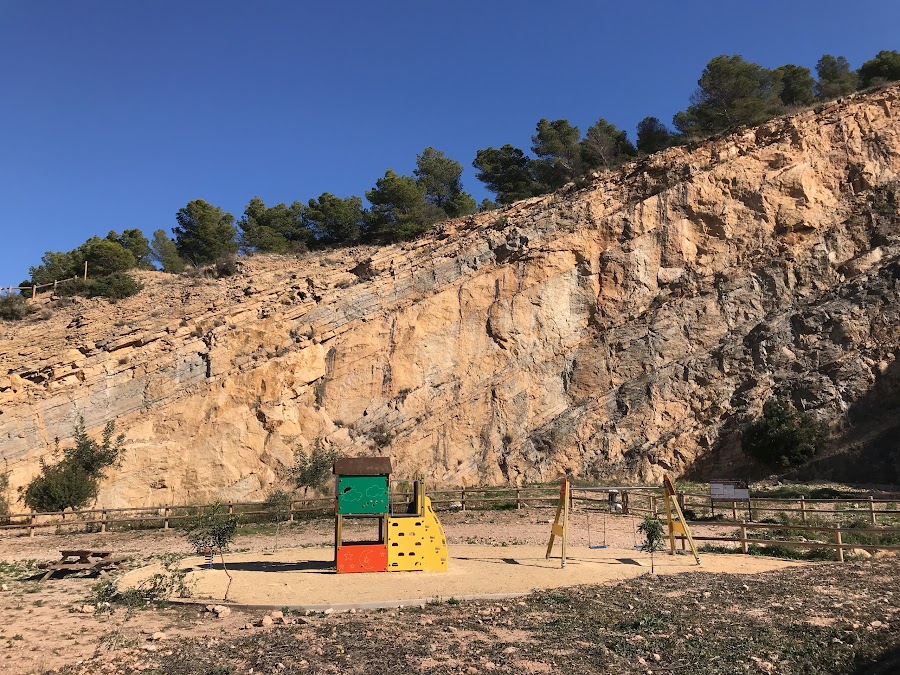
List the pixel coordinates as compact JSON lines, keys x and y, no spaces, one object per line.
{"x":729,"y":490}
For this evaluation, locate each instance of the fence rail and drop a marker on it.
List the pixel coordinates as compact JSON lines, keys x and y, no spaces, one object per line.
{"x":834,"y":533}
{"x":629,"y":500}
{"x":464,"y":498}
{"x":807,"y":508}
{"x":34,"y":287}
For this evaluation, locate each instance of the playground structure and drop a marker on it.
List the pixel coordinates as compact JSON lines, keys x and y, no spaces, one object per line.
{"x":676,"y":524}
{"x":410,"y":540}
{"x":409,"y":537}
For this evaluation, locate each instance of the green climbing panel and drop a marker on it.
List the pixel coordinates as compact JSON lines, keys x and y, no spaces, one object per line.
{"x":362,"y":494}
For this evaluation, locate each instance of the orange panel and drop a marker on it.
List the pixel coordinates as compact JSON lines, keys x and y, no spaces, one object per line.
{"x":362,"y":558}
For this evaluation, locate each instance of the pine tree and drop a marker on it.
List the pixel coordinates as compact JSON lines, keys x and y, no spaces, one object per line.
{"x":205,"y":233}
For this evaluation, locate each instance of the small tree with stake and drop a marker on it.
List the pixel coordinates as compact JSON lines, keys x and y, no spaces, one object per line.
{"x":311,"y":471}
{"x":278,"y":503}
{"x":213,"y":531}
{"x":654,"y":538}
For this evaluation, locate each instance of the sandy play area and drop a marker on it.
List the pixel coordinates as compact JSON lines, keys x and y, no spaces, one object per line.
{"x":304,"y":578}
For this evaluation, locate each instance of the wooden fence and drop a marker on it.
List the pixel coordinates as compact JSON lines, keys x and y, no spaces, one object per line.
{"x":756,"y":508}
{"x":629,"y":500}
{"x":649,"y":501}
{"x":835,"y":534}
{"x":163,"y":517}
{"x":55,"y":284}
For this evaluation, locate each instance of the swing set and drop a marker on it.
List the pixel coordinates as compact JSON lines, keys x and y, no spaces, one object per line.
{"x":674,"y":518}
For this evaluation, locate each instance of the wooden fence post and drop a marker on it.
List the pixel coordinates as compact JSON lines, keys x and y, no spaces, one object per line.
{"x":733,"y":510}
{"x":872,"y":510}
{"x":166,"y":518}
{"x":743,"y":536}
{"x":839,"y":546}
{"x":103,"y":521}
{"x":31,"y":528}
{"x":230,"y":509}
{"x":802,"y":508}
{"x":653,"y":504}
{"x":518,"y":499}
{"x":463,"y":499}
{"x":712,"y":507}
{"x":291,"y":512}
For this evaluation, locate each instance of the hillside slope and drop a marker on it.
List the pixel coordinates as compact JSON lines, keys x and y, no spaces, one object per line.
{"x":624,"y":329}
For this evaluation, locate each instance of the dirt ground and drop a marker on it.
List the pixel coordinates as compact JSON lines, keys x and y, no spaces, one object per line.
{"x":300,"y":579}
{"x":826,"y":616}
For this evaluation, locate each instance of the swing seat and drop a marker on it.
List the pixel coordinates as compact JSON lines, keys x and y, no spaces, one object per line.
{"x":596,"y":546}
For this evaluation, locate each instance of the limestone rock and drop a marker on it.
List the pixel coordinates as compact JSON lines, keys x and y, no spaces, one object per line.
{"x":621,"y":330}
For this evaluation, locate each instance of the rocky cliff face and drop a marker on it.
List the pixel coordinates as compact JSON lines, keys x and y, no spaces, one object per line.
{"x":623,"y":329}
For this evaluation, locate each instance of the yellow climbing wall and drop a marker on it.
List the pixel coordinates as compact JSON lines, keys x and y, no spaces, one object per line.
{"x":416,"y":542}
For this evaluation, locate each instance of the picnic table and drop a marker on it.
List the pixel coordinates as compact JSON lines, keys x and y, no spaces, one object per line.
{"x":82,"y":560}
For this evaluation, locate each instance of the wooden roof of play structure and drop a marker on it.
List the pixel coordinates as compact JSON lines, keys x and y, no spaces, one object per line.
{"x":362,"y":466}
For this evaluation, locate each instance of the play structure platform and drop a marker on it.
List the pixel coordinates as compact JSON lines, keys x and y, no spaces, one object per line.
{"x":409,"y":538}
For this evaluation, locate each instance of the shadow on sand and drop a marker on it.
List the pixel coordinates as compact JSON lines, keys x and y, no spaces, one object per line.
{"x":317,"y":566}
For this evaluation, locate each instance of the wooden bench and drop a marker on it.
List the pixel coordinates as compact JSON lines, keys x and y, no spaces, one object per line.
{"x":82,"y":560}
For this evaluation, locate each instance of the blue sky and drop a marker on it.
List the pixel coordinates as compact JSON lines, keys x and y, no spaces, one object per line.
{"x":115,"y":114}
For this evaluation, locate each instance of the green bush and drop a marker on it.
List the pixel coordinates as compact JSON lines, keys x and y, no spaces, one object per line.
{"x":114,"y":286}
{"x":14,"y":308}
{"x":74,"y":287}
{"x":784,"y":437}
{"x":74,"y":480}
{"x":60,"y":486}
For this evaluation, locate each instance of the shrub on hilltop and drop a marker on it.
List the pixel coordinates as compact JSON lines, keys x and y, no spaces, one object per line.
{"x":14,"y":308}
